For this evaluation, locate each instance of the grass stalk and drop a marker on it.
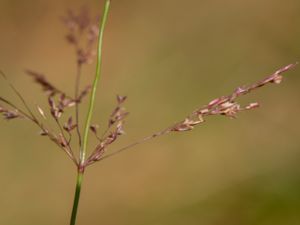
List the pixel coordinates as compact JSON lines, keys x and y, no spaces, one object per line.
{"x":95,"y":83}
{"x":76,"y":197}
{"x":83,"y":149}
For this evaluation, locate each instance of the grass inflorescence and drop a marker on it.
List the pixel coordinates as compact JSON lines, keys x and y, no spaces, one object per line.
{"x":83,"y":33}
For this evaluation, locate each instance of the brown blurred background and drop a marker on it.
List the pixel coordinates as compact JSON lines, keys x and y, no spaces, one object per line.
{"x":169,"y":57}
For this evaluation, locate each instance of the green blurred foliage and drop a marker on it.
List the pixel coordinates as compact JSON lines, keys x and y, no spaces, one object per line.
{"x":169,"y":57}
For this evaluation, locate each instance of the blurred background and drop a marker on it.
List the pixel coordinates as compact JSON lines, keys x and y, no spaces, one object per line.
{"x":168,"y":57}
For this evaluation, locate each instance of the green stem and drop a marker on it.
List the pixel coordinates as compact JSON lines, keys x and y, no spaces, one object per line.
{"x":95,"y":83}
{"x":83,"y":149}
{"x":76,"y":197}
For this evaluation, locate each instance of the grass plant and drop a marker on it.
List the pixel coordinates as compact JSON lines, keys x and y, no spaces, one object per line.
{"x":81,"y":27}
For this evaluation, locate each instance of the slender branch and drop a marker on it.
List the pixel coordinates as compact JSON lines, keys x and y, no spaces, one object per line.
{"x":141,"y":141}
{"x":68,"y":147}
{"x":98,"y":138}
{"x":95,"y":83}
{"x":60,"y":128}
{"x":78,"y":76}
{"x":19,"y":95}
{"x":70,"y":137}
{"x":103,"y":134}
{"x":225,"y":105}
{"x":18,"y":109}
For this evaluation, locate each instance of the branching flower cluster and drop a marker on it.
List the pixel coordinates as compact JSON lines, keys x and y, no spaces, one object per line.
{"x":80,"y":27}
{"x":83,"y":33}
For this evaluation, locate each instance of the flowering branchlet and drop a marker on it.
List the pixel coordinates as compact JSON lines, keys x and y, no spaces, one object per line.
{"x":224,"y":106}
{"x":113,"y":131}
{"x":228,"y":105}
{"x":81,"y":26}
{"x":10,"y":114}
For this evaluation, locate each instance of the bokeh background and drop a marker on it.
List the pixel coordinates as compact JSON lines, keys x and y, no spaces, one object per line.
{"x":169,"y":57}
